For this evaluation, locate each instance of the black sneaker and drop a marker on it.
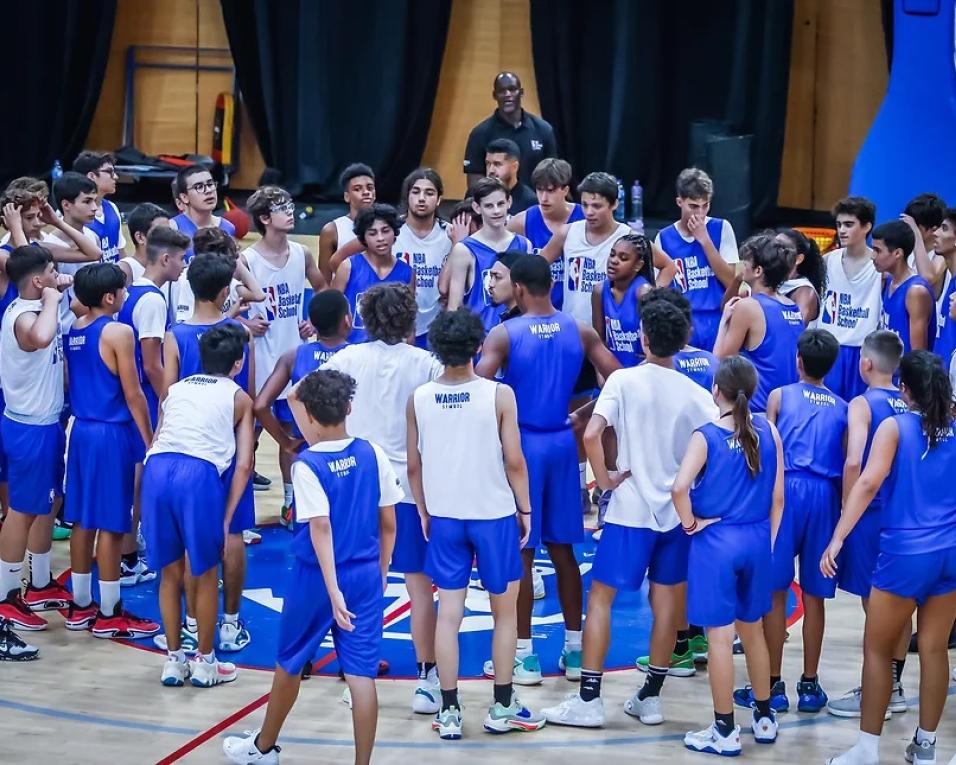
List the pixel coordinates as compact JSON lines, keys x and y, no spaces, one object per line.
{"x":12,"y":648}
{"x":260,"y":482}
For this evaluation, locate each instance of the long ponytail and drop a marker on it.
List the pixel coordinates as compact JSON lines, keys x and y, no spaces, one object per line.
{"x":736,"y":379}
{"x":929,"y":387}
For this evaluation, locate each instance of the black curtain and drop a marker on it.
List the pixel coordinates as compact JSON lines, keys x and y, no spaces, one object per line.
{"x":55,"y":53}
{"x":621,"y":81}
{"x":328,"y":82}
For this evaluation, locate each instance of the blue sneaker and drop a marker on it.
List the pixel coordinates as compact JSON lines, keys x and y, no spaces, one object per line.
{"x":744,"y":697}
{"x":811,"y":697}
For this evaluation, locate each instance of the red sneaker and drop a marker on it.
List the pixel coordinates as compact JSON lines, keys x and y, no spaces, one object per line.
{"x":52,"y":597}
{"x":18,"y":613}
{"x":80,"y":618}
{"x":122,"y":624}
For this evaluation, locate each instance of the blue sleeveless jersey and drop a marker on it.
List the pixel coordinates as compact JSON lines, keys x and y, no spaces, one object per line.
{"x":539,"y":235}
{"x":133,"y":295}
{"x":310,"y":356}
{"x":108,"y":232}
{"x":945,"y":344}
{"x":695,"y":278}
{"x":919,"y":506}
{"x":185,"y":225}
{"x":544,"y":361}
{"x":883,"y":403}
{"x":812,"y":425}
{"x":8,"y":297}
{"x":350,"y":480}
{"x":361,"y":279}
{"x":187,"y":341}
{"x":896,"y":318}
{"x":776,"y":356}
{"x":700,"y":366}
{"x":95,"y":392}
{"x":622,"y":323}
{"x":476,"y":297}
{"x":725,"y":488}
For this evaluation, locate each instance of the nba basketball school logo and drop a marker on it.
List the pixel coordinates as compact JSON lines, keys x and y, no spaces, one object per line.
{"x":270,"y":303}
{"x":680,"y":278}
{"x":357,"y":321}
{"x":486,"y":287}
{"x":829,"y":308}
{"x":580,"y":274}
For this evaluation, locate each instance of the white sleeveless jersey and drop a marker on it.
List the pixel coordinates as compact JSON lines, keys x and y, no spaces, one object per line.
{"x":137,"y":268}
{"x":199,"y":420}
{"x":344,"y":232}
{"x":284,"y":287}
{"x":850,"y":309}
{"x":792,"y":285}
{"x":463,"y":471}
{"x":426,"y":256}
{"x":32,"y":380}
{"x":186,"y":300}
{"x":585,"y":265}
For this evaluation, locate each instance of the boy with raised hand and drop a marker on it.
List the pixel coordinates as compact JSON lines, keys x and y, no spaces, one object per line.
{"x":75,"y":196}
{"x":345,"y":495}
{"x":107,"y":224}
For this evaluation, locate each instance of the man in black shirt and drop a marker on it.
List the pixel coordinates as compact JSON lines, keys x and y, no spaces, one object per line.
{"x":534,"y":136}
{"x":503,"y":161}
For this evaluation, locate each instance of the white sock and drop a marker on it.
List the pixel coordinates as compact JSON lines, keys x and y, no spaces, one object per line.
{"x":39,"y":568}
{"x":191,"y":624}
{"x":869,"y":745}
{"x":572,"y":640}
{"x":287,"y":494}
{"x":10,"y":577}
{"x":82,"y":595}
{"x":209,"y":658}
{"x":179,"y":656}
{"x":524,"y":648}
{"x":230,"y":618}
{"x":925,"y":735}
{"x":583,"y":474}
{"x":109,"y":596}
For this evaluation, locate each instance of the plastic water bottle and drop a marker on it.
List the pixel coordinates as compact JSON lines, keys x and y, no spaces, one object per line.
{"x":619,"y":213}
{"x":57,"y":171}
{"x":637,"y":207}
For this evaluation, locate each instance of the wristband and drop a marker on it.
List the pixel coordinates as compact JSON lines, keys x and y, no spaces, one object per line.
{"x":690,"y":529}
{"x":520,"y":512}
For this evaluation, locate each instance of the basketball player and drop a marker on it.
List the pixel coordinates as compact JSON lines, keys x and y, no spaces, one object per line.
{"x":812,"y":423}
{"x":358,"y":191}
{"x":195,"y":194}
{"x":146,"y":311}
{"x":376,"y":228}
{"x":699,"y":365}
{"x":107,"y":224}
{"x":31,"y":367}
{"x":732,"y":476}
{"x":471,"y":259}
{"x":141,"y":220}
{"x":642,"y":534}
{"x":110,"y":429}
{"x":945,"y":238}
{"x":851,"y":304}
{"x":804,"y":285}
{"x":908,"y":299}
{"x":551,"y":180}
{"x":75,"y":196}
{"x":500,"y":287}
{"x":206,"y":421}
{"x":879,"y":361}
{"x":488,"y":517}
{"x":913,"y":456}
{"x":765,"y":326}
{"x":924,"y":214}
{"x":704,"y":250}
{"x":542,"y":350}
{"x":386,"y":371}
{"x":346,"y":490}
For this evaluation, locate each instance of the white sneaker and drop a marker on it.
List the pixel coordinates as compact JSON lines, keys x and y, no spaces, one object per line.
{"x":251,"y":537}
{"x":709,"y":740}
{"x":764,"y":728}
{"x":576,"y":712}
{"x":538,"y":582}
{"x":649,"y":711}
{"x":242,"y":750}
{"x":188,"y":641}
{"x":596,"y":536}
{"x":526,"y":671}
{"x":897,"y":699}
{"x":175,"y":673}
{"x":853,"y":756}
{"x":427,"y":698}
{"x":233,"y":637}
{"x":133,"y":575}
{"x":206,"y":674}
{"x":347,"y":697}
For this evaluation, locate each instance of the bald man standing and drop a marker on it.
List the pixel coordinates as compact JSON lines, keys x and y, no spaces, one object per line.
{"x":534,"y":136}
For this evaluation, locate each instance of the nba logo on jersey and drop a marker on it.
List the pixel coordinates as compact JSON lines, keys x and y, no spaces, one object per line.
{"x":357,"y":322}
{"x":828,"y":316}
{"x":485,"y":285}
{"x":270,"y":303}
{"x":580,"y":274}
{"x":609,"y":327}
{"x":680,"y":278}
{"x":405,"y":257}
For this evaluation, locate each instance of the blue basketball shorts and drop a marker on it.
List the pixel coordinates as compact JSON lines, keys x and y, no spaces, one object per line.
{"x":625,"y":554}
{"x":100,"y":470}
{"x":552,"y":458}
{"x":35,"y":464}
{"x":455,"y":544}
{"x":920,"y":576}
{"x":408,"y":557}
{"x":857,"y":559}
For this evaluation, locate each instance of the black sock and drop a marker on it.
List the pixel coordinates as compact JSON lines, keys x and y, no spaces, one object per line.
{"x":725,"y":723}
{"x":763,"y":707}
{"x":590,"y":684}
{"x":263,"y":751}
{"x":774,"y":679}
{"x":680,"y":647}
{"x":695,"y":631}
{"x":805,"y":679}
{"x":424,"y":667}
{"x":131,"y":559}
{"x":449,"y":699}
{"x":503,"y":694}
{"x":653,"y":682}
{"x":898,"y":665}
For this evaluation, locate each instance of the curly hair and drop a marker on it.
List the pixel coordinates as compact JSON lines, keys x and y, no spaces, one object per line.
{"x":389,"y":312}
{"x":378,"y":211}
{"x":260,"y":204}
{"x":216,"y":241}
{"x":25,"y":192}
{"x":456,"y":336}
{"x":326,"y":394}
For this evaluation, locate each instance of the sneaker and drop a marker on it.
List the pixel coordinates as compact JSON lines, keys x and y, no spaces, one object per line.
{"x":61,"y":531}
{"x":286,"y":516}
{"x":133,"y":575}
{"x":570,"y":664}
{"x":682,"y":665}
{"x":206,"y":674}
{"x":526,"y":671}
{"x":538,"y":582}
{"x":80,"y":618}
{"x":260,"y":482}
{"x":448,"y":724}
{"x":12,"y":648}
{"x":897,"y":700}
{"x":427,"y":698}
{"x":738,"y":646}
{"x":744,"y":697}
{"x":810,"y":697}
{"x":122,"y":624}
{"x":188,"y":641}
{"x":175,"y":673}
{"x":764,"y":728}
{"x":233,"y":637}
{"x":596,"y":536}
{"x":242,"y":750}
{"x":515,"y":716}
{"x":576,"y":712}
{"x":585,"y":502}
{"x":648,"y":711}
{"x":19,"y":614}
{"x":922,"y":754}
{"x":251,"y":537}
{"x":848,"y":705}
{"x":52,"y":597}
{"x":709,"y":740}
{"x":698,"y":646}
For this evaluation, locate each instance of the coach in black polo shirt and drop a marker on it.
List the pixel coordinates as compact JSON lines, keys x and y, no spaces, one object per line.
{"x":534,"y":136}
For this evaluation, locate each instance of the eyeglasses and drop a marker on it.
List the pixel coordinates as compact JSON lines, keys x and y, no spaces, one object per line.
{"x":283,"y":207}
{"x":202,"y":186}
{"x":108,"y":170}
